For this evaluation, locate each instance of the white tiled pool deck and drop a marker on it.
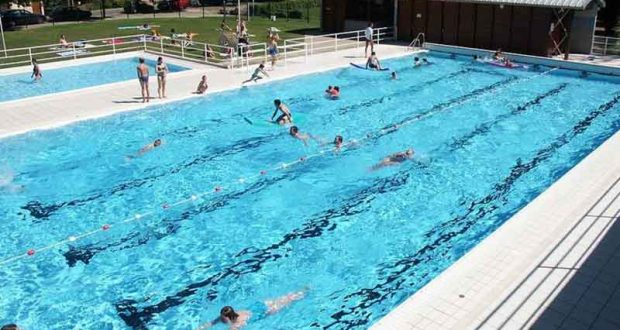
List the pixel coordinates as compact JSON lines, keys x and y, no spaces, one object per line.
{"x":511,"y":280}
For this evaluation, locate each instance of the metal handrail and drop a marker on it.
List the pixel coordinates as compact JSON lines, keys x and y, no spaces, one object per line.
{"x":602,"y":45}
{"x":419,"y":40}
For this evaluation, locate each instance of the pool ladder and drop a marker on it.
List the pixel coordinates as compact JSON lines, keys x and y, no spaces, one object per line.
{"x":418,"y":42}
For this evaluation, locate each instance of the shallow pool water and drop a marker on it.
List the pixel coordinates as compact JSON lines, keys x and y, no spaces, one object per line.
{"x":488,"y":140}
{"x":71,"y":77}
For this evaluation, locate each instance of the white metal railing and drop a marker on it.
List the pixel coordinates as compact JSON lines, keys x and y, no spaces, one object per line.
{"x":75,"y":50}
{"x":605,"y":45}
{"x":224,"y":56}
{"x":309,"y":45}
{"x":418,"y":42}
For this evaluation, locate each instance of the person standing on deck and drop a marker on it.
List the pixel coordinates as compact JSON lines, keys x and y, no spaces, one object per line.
{"x":143,"y":77}
{"x":368,"y":33}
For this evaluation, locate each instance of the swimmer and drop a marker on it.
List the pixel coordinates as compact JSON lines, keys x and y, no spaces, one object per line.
{"x":394,"y":159}
{"x":338,"y":141}
{"x":202,"y":85}
{"x":498,"y":55}
{"x":257,"y":74}
{"x":239,"y":319}
{"x":36,"y":71}
{"x":328,"y":91}
{"x":303,"y":137}
{"x":286,"y":117}
{"x":416,"y":61}
{"x":147,"y":148}
{"x":394,"y":77}
{"x":335,"y":93}
{"x":6,"y":183}
{"x":11,"y":326}
{"x":373,"y":62}
{"x":425,"y":62}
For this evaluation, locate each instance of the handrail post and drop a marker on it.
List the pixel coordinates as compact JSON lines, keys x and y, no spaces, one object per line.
{"x":73,"y":47}
{"x":336,"y":39}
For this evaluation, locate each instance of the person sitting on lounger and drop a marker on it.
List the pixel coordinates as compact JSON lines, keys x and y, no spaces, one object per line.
{"x":373,"y":62}
{"x":63,"y":42}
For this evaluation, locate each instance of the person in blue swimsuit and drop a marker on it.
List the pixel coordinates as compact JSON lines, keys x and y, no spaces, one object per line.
{"x":259,"y":310}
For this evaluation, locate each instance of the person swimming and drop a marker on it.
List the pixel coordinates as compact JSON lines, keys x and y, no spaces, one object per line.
{"x":7,"y":184}
{"x":286,"y":117}
{"x":338,"y":142}
{"x":416,"y":61}
{"x":373,"y":62}
{"x":147,"y":148}
{"x":335,"y":93}
{"x":394,"y":159}
{"x":303,"y":137}
{"x":328,"y":91}
{"x":394,"y":77}
{"x":239,"y":319}
{"x":498,"y":55}
{"x":257,"y":74}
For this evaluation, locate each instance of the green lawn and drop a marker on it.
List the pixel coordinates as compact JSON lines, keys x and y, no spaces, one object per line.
{"x":205,"y":27}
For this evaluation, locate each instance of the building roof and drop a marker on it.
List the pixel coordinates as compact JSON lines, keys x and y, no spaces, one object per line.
{"x":569,"y":4}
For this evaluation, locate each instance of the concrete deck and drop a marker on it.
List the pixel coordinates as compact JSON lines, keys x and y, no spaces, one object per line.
{"x":59,"y":109}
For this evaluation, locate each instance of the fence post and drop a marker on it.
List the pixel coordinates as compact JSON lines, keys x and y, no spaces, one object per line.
{"x":605,"y":48}
{"x":358,"y":39}
{"x":378,"y":37}
{"x":30,"y":54}
{"x":232,"y":61}
{"x":206,"y":52}
{"x":311,"y":45}
{"x":113,"y":46}
{"x":285,"y":54}
{"x":73,"y":47}
{"x":144,"y":41}
{"x":182,"y":49}
{"x":306,"y":52}
{"x":336,"y":36}
{"x":161,"y":45}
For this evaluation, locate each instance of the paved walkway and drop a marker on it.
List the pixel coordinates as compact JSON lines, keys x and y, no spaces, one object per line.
{"x":64,"y":108}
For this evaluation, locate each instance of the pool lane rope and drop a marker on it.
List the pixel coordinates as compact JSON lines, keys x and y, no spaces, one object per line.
{"x":242,"y":180}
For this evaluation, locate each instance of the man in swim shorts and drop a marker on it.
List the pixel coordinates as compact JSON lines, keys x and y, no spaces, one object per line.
{"x":147,"y":148}
{"x":257,"y":74}
{"x":238,"y":319}
{"x":286,"y":117}
{"x":143,"y":78}
{"x":373,"y":62}
{"x":394,"y":159}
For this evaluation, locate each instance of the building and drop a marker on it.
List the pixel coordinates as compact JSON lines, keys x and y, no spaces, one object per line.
{"x":537,"y":27}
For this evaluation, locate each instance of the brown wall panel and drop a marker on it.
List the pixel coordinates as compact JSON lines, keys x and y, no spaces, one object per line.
{"x":520,"y":29}
{"x":404,"y":20}
{"x":418,"y":17}
{"x":484,"y":27}
{"x":501,"y":29}
{"x":434,"y":21}
{"x":450,"y":23}
{"x":539,"y":37}
{"x":467,"y":25}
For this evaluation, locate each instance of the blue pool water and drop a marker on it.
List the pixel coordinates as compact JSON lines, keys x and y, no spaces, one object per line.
{"x":18,"y":86}
{"x":488,"y":141}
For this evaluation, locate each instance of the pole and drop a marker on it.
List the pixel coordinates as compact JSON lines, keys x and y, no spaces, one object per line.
{"x":3,"y":41}
{"x":395,"y":19}
{"x":239,"y":12}
{"x":248,"y":9}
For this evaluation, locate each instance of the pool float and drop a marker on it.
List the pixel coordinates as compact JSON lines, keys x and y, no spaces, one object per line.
{"x":503,"y":64}
{"x":297,"y":119}
{"x":364,"y":67}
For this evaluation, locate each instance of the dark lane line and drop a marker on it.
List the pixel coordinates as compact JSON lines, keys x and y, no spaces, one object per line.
{"x":404,"y":269}
{"x":138,"y":318}
{"x":485,"y":127}
{"x":86,"y":253}
{"x":40,"y":211}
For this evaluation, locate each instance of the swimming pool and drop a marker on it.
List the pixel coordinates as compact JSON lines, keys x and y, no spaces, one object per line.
{"x":19,"y":86}
{"x":487,"y":140}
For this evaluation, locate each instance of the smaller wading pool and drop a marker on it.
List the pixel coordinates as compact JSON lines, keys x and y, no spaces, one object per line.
{"x":20,"y":85}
